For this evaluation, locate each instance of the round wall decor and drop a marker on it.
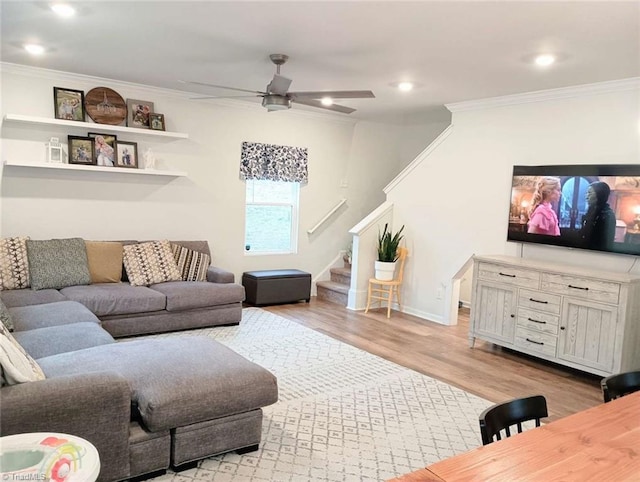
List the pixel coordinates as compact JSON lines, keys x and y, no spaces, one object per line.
{"x":105,"y":106}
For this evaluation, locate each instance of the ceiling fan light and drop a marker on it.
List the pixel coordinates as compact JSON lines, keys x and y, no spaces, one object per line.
{"x":326,"y":101}
{"x":276,"y":102}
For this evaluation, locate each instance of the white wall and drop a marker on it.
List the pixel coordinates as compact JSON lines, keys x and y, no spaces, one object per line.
{"x":455,"y":202}
{"x":209,"y":203}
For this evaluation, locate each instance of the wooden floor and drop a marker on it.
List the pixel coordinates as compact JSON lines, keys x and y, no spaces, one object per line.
{"x":443,"y":352}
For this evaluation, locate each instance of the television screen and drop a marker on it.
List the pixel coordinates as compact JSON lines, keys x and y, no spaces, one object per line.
{"x":580,"y":206}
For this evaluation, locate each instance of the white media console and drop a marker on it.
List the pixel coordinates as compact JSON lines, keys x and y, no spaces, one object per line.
{"x":582,"y":318}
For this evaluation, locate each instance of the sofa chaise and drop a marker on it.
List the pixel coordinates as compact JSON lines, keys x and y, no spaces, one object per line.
{"x":146,"y":404}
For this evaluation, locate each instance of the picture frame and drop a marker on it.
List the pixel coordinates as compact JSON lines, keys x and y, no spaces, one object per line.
{"x":138,"y":113}
{"x":104,"y":146}
{"x":81,"y":150}
{"x":127,"y":154}
{"x":156,"y":121}
{"x":68,"y":104}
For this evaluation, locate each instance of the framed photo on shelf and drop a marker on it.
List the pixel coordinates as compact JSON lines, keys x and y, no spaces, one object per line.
{"x":138,"y":113}
{"x":104,"y":148}
{"x":127,"y":154}
{"x":81,"y":150}
{"x":156,"y":122}
{"x":68,"y":104}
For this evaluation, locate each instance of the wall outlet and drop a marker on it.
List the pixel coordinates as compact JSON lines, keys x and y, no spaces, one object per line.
{"x":439,"y":293}
{"x":344,"y":183}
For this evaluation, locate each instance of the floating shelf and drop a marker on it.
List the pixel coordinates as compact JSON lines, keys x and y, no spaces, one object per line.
{"x":100,"y":169}
{"x":84,"y":127}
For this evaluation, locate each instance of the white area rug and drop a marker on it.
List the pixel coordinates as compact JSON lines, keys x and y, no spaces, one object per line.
{"x":343,"y":414}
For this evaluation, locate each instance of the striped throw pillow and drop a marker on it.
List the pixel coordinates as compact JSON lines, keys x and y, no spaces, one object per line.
{"x":192,"y":265}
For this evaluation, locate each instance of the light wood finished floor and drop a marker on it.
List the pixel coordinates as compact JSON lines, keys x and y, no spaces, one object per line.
{"x":443,"y":352}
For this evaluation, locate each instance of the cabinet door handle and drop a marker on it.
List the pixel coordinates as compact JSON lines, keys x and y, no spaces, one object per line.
{"x":505,"y":274}
{"x":562,"y":328}
{"x":578,"y":288}
{"x":537,"y":321}
{"x":533,"y":341}
{"x":539,"y":301}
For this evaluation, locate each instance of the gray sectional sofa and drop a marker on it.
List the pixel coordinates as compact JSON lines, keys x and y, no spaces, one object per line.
{"x":126,"y":310}
{"x":146,"y":404}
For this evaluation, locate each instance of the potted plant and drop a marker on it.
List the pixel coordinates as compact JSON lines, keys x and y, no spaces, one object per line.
{"x":388,"y":244}
{"x":347,"y":256}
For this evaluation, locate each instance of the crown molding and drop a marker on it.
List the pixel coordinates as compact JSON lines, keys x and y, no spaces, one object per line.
{"x":547,"y":95}
{"x":57,"y":75}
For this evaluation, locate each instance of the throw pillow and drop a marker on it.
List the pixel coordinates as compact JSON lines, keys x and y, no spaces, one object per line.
{"x":105,"y":261}
{"x":5,"y":317}
{"x":17,"y":365}
{"x":58,"y":263}
{"x":14,"y":264}
{"x":193,"y":265}
{"x":150,"y":263}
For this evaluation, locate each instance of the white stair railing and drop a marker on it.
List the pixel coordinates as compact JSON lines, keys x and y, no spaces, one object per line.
{"x":324,"y":219}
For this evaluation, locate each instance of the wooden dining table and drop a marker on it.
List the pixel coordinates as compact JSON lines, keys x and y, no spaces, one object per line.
{"x":600,"y":444}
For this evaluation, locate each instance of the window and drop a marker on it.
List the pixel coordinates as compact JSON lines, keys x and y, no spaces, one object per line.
{"x":271,"y":217}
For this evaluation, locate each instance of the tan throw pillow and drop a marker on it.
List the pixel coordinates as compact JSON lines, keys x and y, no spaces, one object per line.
{"x":14,"y":264}
{"x":193,"y":265}
{"x":105,"y":261}
{"x":150,"y":263}
{"x":17,"y":365}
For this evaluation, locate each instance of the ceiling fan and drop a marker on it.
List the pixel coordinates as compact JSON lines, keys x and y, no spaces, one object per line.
{"x":278,"y":97}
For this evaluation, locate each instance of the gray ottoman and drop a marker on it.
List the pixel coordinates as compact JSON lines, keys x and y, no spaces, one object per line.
{"x":276,"y":286}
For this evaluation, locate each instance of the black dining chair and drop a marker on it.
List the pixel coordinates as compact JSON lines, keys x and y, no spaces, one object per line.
{"x":619,"y":385}
{"x":503,"y":416}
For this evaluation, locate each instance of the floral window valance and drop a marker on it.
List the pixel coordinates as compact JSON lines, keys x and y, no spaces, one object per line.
{"x":273,"y":163}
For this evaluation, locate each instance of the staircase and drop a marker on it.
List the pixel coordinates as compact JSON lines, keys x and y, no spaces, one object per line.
{"x":336,"y":290}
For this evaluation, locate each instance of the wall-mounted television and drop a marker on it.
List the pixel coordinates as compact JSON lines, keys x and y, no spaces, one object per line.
{"x":579,"y":206}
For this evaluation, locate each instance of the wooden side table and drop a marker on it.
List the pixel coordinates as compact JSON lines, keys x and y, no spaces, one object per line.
{"x":57,"y":457}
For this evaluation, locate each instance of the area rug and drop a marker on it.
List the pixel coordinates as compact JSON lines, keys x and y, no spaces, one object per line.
{"x":343,"y":414}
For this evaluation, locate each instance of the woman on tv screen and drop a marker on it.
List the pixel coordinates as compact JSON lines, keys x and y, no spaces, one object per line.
{"x":542,"y":217}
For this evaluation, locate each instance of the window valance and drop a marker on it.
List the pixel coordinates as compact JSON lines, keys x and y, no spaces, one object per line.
{"x":273,"y":163}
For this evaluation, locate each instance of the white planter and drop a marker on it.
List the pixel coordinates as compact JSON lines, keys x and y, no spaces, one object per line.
{"x":384,"y":270}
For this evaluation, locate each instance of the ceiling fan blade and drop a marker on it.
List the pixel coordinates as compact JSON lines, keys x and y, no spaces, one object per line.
{"x":317,"y":103}
{"x":221,"y":87}
{"x":224,"y":97}
{"x":334,"y":94}
{"x":279,"y":85}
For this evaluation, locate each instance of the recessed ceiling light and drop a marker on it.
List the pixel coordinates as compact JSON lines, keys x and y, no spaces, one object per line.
{"x":405,"y":86}
{"x":326,"y":101}
{"x":34,"y":49}
{"x":545,"y":60}
{"x":63,"y":9}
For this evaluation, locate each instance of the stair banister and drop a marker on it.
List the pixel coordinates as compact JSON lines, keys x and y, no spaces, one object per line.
{"x":322,"y":221}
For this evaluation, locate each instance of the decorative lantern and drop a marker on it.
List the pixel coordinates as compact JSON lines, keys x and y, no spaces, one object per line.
{"x":54,"y":150}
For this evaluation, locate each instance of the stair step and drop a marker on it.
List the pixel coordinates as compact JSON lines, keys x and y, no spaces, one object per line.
{"x":341,"y":275}
{"x":333,"y":292}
